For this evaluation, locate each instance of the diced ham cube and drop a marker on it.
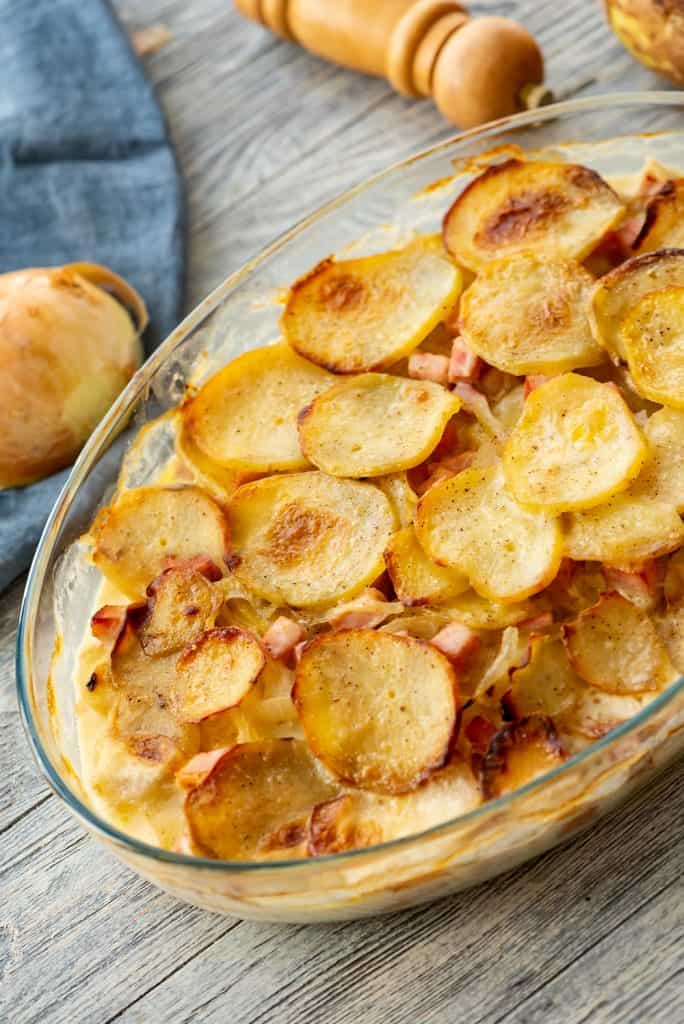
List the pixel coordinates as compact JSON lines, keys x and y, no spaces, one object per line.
{"x":532,"y":382}
{"x":281,"y":637}
{"x":107,"y":622}
{"x":464,"y":364}
{"x":428,"y":366}
{"x":457,"y":642}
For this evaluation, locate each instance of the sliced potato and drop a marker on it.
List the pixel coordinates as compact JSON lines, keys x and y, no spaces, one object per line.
{"x":547,"y":684}
{"x":218,"y":481}
{"x":215,"y":672}
{"x":245,"y":416}
{"x":616,"y":294}
{"x":596,"y":712}
{"x":307,"y":539}
{"x":664,"y":227}
{"x":145,"y":529}
{"x":478,"y":613}
{"x":652,"y":339}
{"x":365,"y":314}
{"x":471,"y":524}
{"x":360,"y":819}
{"x":375,"y":424}
{"x":181,"y":604}
{"x":255,"y":803}
{"x":614,"y":646}
{"x":627,"y":529}
{"x":670,"y":626}
{"x":575,"y":445}
{"x":379,"y":710}
{"x":662,"y":477}
{"x":519,"y":753}
{"x":556,"y":208}
{"x":526,"y":313}
{"x":415,"y":577}
{"x":401,"y":496}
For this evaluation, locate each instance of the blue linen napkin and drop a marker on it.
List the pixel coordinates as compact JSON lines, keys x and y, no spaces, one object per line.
{"x":87,"y":172}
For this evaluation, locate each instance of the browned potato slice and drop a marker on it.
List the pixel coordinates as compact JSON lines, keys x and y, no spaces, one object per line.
{"x":526,"y":313}
{"x":670,"y":626}
{"x":307,"y":539}
{"x":596,"y":712}
{"x":547,"y":684}
{"x":652,"y":338}
{"x":557,"y":208}
{"x":256,"y":802}
{"x":245,"y":417}
{"x":627,"y":529}
{"x":375,"y":424}
{"x":365,"y":314}
{"x":471,"y":524}
{"x":216,"y":672}
{"x":664,"y":227}
{"x":519,"y":753}
{"x":575,"y":445}
{"x":616,"y":294}
{"x":135,"y":538}
{"x":662,"y":477}
{"x":415,"y":577}
{"x":615,"y":647}
{"x":379,"y":710}
{"x":182,"y":603}
{"x":360,"y":819}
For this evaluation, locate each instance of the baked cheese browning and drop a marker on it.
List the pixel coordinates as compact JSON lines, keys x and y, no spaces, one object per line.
{"x":147,"y":528}
{"x":526,"y":314}
{"x":366,"y":314}
{"x":575,"y":445}
{"x":556,"y":208}
{"x":245,"y":417}
{"x":309,"y":539}
{"x":379,"y":710}
{"x":374,"y":424}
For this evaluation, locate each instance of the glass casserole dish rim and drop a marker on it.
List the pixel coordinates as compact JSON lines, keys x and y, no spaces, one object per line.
{"x":116,"y":418}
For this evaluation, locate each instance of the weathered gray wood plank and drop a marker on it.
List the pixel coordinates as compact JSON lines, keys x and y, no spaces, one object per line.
{"x":266,"y":133}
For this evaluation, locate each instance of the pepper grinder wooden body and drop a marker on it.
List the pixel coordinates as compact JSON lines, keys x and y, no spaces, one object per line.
{"x":476,"y":69}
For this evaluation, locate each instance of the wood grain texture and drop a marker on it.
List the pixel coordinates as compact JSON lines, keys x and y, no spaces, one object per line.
{"x":590,"y":932}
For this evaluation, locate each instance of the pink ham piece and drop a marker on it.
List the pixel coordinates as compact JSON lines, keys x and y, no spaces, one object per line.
{"x":281,"y":637}
{"x":457,"y":642}
{"x":428,"y":366}
{"x":463,"y":363}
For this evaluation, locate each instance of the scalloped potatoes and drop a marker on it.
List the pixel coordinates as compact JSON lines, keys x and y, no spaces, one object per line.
{"x":389,"y":589}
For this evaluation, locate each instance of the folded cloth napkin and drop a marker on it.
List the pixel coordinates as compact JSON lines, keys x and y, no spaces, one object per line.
{"x":87,"y":172}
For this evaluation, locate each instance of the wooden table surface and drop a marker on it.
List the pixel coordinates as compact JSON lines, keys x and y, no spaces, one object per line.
{"x":591,"y":932}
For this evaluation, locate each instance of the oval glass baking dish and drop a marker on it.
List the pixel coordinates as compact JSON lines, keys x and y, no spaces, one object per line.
{"x":241,"y":314}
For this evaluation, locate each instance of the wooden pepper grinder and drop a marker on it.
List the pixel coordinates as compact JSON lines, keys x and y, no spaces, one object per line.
{"x":476,"y":69}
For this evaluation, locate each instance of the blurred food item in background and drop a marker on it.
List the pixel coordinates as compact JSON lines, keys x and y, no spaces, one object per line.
{"x":69,"y":343}
{"x":476,"y":69}
{"x":653,"y":31}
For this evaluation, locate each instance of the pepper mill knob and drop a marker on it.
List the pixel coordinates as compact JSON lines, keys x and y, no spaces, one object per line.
{"x":476,"y":69}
